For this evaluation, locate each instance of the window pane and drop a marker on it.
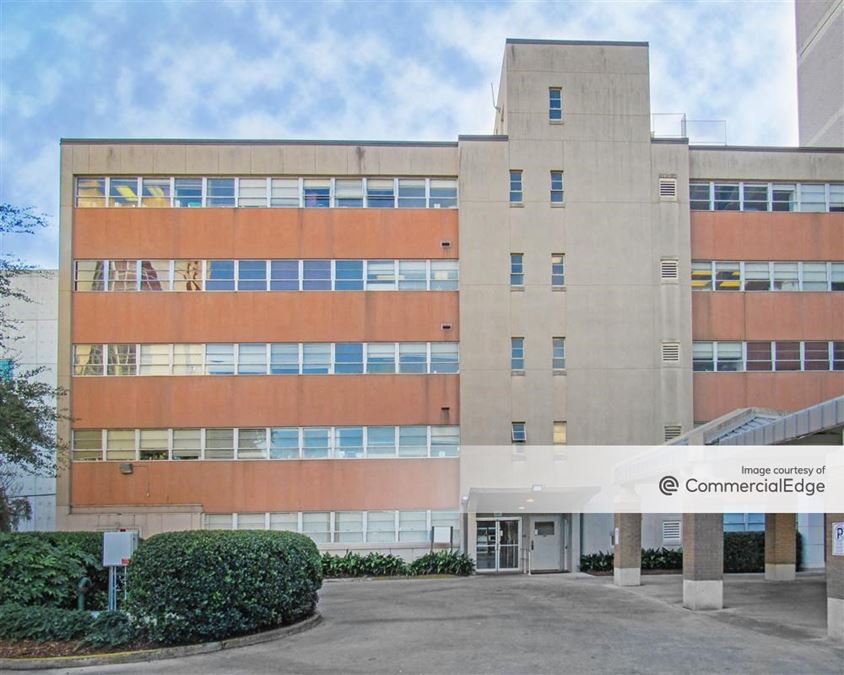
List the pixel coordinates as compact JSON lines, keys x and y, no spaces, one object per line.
{"x":380,"y":275}
{"x":316,"y":358}
{"x":556,"y":187}
{"x":187,"y":359}
{"x":120,"y":445}
{"x":703,"y":359}
{"x":252,"y":444}
{"x":123,"y":275}
{"x":317,"y":526}
{"x":220,"y":192}
{"x":836,"y":197}
{"x":122,"y":360}
{"x":786,"y":277}
{"x":381,"y":357}
{"x":413,"y":526}
{"x":445,"y":441}
{"x":221,"y":521}
{"x":252,"y":275}
{"x":518,"y":432}
{"x":558,"y":270}
{"x":381,"y":442}
{"x":316,"y":275}
{"x":559,"y":353}
{"x":701,"y":276}
{"x":759,"y":356}
{"x":559,"y":436}
{"x":90,"y":192}
{"x":88,"y":360}
{"x":517,"y":269}
{"x":515,"y":187}
{"x":444,"y":357}
{"x":444,"y":275}
{"x":381,"y":526}
{"x":251,"y":521}
{"x":155,"y":192}
{"x":219,"y":359}
{"x":380,"y":193}
{"x":284,"y":359}
{"x":838,"y":355}
{"x":411,"y":193}
{"x":443,"y":194}
{"x":348,"y":442}
{"x":413,"y":441}
{"x":89,"y":275}
{"x":252,"y":359}
{"x":814,"y":277}
{"x":412,"y":275}
{"x":188,"y":193}
{"x":123,"y":192}
{"x":87,"y":445}
{"x":317,"y":193}
{"x":348,"y":275}
{"x":816,"y":356}
{"x":813,"y":198}
{"x":154,"y":444}
{"x":284,"y":443}
{"x":155,"y":275}
{"x":555,"y":104}
{"x":187,"y":275}
{"x":729,"y":356}
{"x":315,"y":443}
{"x":284,"y":275}
{"x":726,"y":197}
{"x":219,"y":275}
{"x":284,"y":521}
{"x":348,"y":358}
{"x":788,"y":355}
{"x":252,"y":192}
{"x":517,"y":353}
{"x":155,"y":360}
{"x":837,"y":276}
{"x":219,"y":444}
{"x":348,"y":526}
{"x":348,"y":192}
{"x":755,"y":197}
{"x":413,"y":357}
{"x":783,"y":197}
{"x":186,"y":443}
{"x":285,"y":192}
{"x":699,"y":196}
{"x":727,"y":276}
{"x":757,"y":277}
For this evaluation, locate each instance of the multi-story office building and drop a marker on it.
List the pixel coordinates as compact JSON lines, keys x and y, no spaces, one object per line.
{"x":310,"y":335}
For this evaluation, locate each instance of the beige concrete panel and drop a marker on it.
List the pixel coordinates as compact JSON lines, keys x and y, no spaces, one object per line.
{"x":104,"y":159}
{"x":235,"y":159}
{"x":485,"y":416}
{"x":625,"y":59}
{"x":80,"y":158}
{"x":169,"y":160}
{"x":137,"y":159}
{"x":267,"y":160}
{"x":202,"y":159}
{"x":788,"y":164}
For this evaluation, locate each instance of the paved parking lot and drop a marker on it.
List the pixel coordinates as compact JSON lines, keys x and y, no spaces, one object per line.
{"x":539,"y":624}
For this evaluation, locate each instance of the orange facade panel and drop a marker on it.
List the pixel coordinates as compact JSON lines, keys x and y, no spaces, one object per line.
{"x":722,"y":315}
{"x":264,"y":233}
{"x":716,"y":394}
{"x":267,"y":485}
{"x":263,"y":400}
{"x":742,"y":235}
{"x":312,"y":316}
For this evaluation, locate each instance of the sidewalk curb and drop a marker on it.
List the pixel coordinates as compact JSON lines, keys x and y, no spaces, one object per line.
{"x":159,"y":654}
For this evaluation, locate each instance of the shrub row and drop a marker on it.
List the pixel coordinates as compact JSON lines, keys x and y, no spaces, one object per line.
{"x":43,"y":624}
{"x":743,"y":552}
{"x":386,"y":565}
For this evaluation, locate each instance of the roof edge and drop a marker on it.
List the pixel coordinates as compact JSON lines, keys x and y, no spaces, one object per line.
{"x":247,"y":141}
{"x":584,"y":43}
{"x":768,"y":148}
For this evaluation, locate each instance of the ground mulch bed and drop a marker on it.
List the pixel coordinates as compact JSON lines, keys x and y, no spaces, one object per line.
{"x":13,"y":649}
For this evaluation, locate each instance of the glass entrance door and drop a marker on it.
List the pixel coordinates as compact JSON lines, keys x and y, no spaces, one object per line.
{"x":497,"y":545}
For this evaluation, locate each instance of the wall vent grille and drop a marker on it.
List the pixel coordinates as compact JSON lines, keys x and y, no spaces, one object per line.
{"x":668,"y":188}
{"x":669,"y":269}
{"x":673,"y":431}
{"x":670,"y":352}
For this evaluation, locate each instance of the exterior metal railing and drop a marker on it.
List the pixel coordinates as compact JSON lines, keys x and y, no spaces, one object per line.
{"x":697,"y":132}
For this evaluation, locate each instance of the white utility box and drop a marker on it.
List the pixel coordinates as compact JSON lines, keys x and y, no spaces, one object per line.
{"x":118,"y":548}
{"x":441,"y":534}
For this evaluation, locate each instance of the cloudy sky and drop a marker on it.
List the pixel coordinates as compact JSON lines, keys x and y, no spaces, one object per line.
{"x":358,"y":70}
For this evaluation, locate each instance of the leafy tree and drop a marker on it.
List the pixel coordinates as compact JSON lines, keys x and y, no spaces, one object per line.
{"x":28,"y":412}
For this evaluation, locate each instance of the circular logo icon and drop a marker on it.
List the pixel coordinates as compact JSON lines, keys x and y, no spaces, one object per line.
{"x":668,"y":485}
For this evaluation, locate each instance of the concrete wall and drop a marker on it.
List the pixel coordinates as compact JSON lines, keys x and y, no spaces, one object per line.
{"x":820,"y":72}
{"x":36,"y":348}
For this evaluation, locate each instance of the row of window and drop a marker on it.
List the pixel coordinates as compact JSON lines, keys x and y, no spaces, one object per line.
{"x":518,"y":433}
{"x":556,"y":194}
{"x":345,"y":527}
{"x":266,"y":275}
{"x":266,"y":192}
{"x":517,"y":354}
{"x":259,"y":358}
{"x":517,"y":270}
{"x":349,"y":442}
{"x":767,"y":276}
{"x":758,"y":196}
{"x":780,"y":355}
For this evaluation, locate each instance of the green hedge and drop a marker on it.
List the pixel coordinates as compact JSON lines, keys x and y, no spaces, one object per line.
{"x":387,"y":565}
{"x":443,"y":562}
{"x":44,"y":568}
{"x":743,"y":552}
{"x":43,"y":624}
{"x":198,"y":586}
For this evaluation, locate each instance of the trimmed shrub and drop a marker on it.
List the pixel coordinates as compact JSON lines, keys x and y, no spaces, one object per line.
{"x":44,"y":568}
{"x":198,"y":586}
{"x":744,"y":551}
{"x":662,"y":559}
{"x":110,"y":629}
{"x":18,"y":622}
{"x":596,"y":562}
{"x":443,"y":562}
{"x":355,"y":565}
